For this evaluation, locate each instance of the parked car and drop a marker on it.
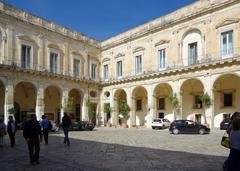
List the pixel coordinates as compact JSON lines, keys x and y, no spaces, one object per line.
{"x":224,"y":124}
{"x":82,"y":125}
{"x":187,"y":126}
{"x":160,"y":123}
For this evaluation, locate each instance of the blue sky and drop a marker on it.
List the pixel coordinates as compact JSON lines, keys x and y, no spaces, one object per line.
{"x":100,"y":19}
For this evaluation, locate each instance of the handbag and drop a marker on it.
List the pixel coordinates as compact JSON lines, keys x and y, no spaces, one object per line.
{"x":225,"y":142}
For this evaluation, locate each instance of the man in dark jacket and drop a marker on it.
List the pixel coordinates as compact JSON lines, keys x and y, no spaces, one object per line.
{"x":66,"y":123}
{"x":12,"y":129}
{"x":31,"y":132}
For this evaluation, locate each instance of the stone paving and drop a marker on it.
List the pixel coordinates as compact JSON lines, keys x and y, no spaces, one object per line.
{"x":119,"y":149}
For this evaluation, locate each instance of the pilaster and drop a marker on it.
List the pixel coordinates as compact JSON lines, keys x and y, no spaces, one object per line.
{"x":9,"y":100}
{"x":39,"y":103}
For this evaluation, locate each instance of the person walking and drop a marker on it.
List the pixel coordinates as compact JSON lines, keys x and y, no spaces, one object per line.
{"x":2,"y":132}
{"x":31,"y":132}
{"x":66,"y":123}
{"x":232,"y":163}
{"x":11,"y":129}
{"x":46,"y":126}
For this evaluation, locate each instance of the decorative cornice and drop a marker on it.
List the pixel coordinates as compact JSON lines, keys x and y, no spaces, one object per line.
{"x":119,"y":55}
{"x":40,"y":22}
{"x":137,"y":49}
{"x":182,"y":15}
{"x":228,"y":21}
{"x":106,"y":60}
{"x":161,"y":42}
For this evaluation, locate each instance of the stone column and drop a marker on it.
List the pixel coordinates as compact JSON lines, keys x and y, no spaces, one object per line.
{"x":63,"y":101}
{"x":131,"y":104}
{"x":9,"y":100}
{"x":177,"y":89}
{"x":150,"y":110}
{"x":209,"y":112}
{"x":102,"y":116}
{"x":40,"y":103}
{"x":114,"y":113}
{"x":84,"y":107}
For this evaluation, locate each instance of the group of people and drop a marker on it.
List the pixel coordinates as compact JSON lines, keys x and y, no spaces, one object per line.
{"x":233,"y":161}
{"x":33,"y":131}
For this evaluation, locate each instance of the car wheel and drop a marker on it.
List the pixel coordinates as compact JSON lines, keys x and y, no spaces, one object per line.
{"x":163,"y":126}
{"x":175,"y":131}
{"x":201,"y":131}
{"x":153,"y":127}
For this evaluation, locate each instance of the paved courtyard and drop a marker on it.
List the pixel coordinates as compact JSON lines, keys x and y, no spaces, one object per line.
{"x":120,"y":149}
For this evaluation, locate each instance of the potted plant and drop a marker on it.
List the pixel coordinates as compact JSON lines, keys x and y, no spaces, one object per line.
{"x":206,"y":102}
{"x":107,"y":109}
{"x":91,"y":111}
{"x":68,"y":106}
{"x":124,"y":111}
{"x":12,"y":111}
{"x":175,"y":102}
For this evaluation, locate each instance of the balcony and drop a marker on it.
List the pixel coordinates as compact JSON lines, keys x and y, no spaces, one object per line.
{"x":42,"y":70}
{"x":208,"y":59}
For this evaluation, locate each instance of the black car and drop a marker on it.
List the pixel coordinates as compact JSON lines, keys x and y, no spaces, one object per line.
{"x":187,"y":126}
{"x":82,"y":125}
{"x":224,"y":124}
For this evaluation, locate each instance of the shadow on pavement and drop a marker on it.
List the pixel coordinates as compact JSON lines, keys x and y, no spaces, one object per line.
{"x":97,"y":156}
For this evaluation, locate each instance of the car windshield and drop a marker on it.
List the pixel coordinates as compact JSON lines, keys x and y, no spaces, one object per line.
{"x":166,"y":120}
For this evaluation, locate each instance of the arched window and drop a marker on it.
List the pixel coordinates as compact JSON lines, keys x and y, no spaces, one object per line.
{"x":192,"y":47}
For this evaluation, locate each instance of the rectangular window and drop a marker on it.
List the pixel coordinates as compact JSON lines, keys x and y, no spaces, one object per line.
{"x":161,"y":103}
{"x":76,"y":67}
{"x":105,"y":72}
{"x":26,"y":56}
{"x":119,"y":68}
{"x":139,"y":105}
{"x":228,"y":99}
{"x":93,"y":71}
{"x":138,"y":64}
{"x":198,"y":102}
{"x":162,"y":59}
{"x":160,"y":115}
{"x":227,"y":43}
{"x":53,"y":62}
{"x":192,"y":53}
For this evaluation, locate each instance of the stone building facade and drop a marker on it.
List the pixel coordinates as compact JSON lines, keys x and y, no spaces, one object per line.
{"x":192,"y":51}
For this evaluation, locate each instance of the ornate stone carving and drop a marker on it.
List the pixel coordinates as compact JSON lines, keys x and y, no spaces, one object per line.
{"x":119,"y":55}
{"x":228,"y":21}
{"x":137,"y":49}
{"x":161,"y":42}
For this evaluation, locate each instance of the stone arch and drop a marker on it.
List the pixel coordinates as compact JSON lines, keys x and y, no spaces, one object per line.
{"x":192,"y":108}
{"x":192,"y":46}
{"x":77,"y":100}
{"x":226,"y":93}
{"x":119,"y":94}
{"x":161,"y":103}
{"x":25,"y":96}
{"x":53,"y":102}
{"x":140,"y":107}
